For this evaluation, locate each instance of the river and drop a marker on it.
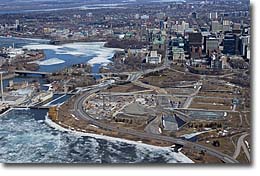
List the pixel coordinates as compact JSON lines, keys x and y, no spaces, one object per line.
{"x":26,"y":138}
{"x":58,"y":57}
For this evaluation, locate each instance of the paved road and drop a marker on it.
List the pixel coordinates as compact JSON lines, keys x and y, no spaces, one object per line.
{"x":142,"y":94}
{"x":241,"y":143}
{"x":153,"y":126}
{"x":188,"y":101}
{"x":80,"y":112}
{"x":205,"y":110}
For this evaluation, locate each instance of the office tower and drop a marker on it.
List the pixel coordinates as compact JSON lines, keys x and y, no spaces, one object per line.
{"x":229,"y":44}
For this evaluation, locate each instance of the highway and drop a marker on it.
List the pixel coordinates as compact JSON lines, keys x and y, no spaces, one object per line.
{"x":143,"y":94}
{"x":80,"y":112}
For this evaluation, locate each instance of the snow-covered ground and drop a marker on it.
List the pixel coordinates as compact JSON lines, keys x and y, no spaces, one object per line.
{"x":191,"y":135}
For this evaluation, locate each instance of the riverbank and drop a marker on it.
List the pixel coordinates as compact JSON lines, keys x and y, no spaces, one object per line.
{"x":63,"y":116}
{"x":80,"y":132}
{"x":53,"y":41}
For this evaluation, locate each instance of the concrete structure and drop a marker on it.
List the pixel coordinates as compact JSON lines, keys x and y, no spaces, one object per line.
{"x":213,"y":15}
{"x":212,"y":44}
{"x":154,"y":58}
{"x":243,"y":45}
{"x":229,"y":44}
{"x":216,"y":63}
{"x":215,"y":26}
{"x":169,"y":123}
{"x":195,"y":45}
{"x":226,"y":25}
{"x":178,"y":54}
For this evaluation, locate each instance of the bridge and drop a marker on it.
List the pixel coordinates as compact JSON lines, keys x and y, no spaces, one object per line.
{"x":32,"y":107}
{"x":25,"y":72}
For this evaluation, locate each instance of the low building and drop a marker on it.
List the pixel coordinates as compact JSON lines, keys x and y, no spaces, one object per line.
{"x":178,"y":54}
{"x":153,"y":58}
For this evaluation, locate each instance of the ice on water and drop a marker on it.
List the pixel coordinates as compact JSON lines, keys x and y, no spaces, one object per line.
{"x":101,"y":54}
{"x":26,"y":140}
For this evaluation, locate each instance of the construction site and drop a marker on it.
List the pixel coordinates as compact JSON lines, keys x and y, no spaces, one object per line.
{"x":197,"y":110}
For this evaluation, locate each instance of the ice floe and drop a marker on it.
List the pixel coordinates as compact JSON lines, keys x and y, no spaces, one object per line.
{"x":176,"y":157}
{"x":52,"y":61}
{"x":101,"y":54}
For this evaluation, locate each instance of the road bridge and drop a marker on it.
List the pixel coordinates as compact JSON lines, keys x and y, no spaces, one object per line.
{"x":25,"y":72}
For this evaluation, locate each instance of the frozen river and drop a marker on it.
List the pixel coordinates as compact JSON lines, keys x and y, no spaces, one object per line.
{"x":26,"y":138}
{"x":58,"y":57}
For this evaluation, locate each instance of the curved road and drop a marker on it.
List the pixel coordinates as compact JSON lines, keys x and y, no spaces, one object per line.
{"x":240,"y":143}
{"x":80,"y":112}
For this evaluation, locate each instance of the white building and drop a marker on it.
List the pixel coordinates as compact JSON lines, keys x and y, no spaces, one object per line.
{"x":145,"y":17}
{"x":213,"y":15}
{"x":154,"y":58}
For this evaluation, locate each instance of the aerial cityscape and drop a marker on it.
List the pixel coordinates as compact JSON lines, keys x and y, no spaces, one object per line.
{"x":125,"y":81}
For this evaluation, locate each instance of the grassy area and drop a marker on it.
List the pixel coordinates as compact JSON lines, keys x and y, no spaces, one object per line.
{"x":168,"y":78}
{"x":125,"y":88}
{"x":208,"y":106}
{"x":226,"y":145}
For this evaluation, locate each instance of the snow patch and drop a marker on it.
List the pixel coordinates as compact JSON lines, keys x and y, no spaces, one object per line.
{"x":52,"y":61}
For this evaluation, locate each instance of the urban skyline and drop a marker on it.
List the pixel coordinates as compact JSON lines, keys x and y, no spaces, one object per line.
{"x":170,"y":80}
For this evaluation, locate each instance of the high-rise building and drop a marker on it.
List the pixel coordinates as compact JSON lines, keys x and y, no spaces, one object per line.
{"x":236,"y":26}
{"x":163,"y":25}
{"x":213,"y":15}
{"x":194,"y":15}
{"x":229,"y":44}
{"x":226,"y":25}
{"x":212,"y":44}
{"x":185,"y":26}
{"x":243,"y":45}
{"x":215,"y":26}
{"x":17,"y":25}
{"x":195,"y":45}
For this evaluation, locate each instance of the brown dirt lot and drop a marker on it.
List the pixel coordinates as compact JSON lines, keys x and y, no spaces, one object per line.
{"x":125,"y":88}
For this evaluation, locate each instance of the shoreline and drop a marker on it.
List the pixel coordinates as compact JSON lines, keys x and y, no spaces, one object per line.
{"x":58,"y":127}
